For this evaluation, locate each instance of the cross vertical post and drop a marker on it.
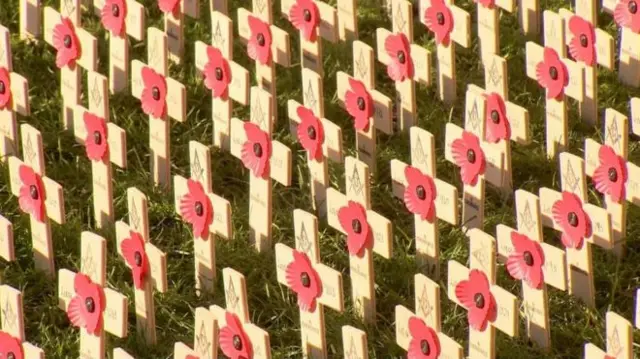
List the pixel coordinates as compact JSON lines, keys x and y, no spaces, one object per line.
{"x":30,"y":20}
{"x":488,"y":12}
{"x":12,"y":324}
{"x":7,"y":245}
{"x":348,"y":19}
{"x":174,"y":25}
{"x":354,"y":342}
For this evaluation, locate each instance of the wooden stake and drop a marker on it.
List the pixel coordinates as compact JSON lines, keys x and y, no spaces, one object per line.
{"x":174,"y":26}
{"x":619,"y":340}
{"x":30,"y":21}
{"x":205,"y":338}
{"x":7,"y":250}
{"x":347,"y":19}
{"x":488,"y":13}
{"x":529,"y":16}
{"x":354,"y":342}
{"x":12,"y":323}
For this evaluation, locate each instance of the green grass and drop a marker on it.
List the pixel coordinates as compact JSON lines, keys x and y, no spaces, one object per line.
{"x":273,"y":306}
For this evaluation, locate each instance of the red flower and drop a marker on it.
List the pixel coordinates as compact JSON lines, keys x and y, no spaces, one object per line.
{"x":469,"y":157}
{"x":32,"y":195}
{"x":85,"y":308}
{"x":257,"y":150}
{"x":96,"y":144}
{"x":154,"y":93}
{"x":574,"y":221}
{"x":486,"y":3}
{"x":233,"y":340}
{"x":5,"y":88}
{"x":611,"y":175}
{"x":353,"y":219}
{"x":189,"y":356}
{"x":259,"y":47}
{"x":552,"y":74}
{"x":475,"y":295}
{"x":304,"y":280}
{"x":439,"y":20}
{"x":310,"y":133}
{"x":305,"y":17}
{"x":626,"y":15}
{"x":359,"y":104}
{"x":400,"y":65}
{"x":114,"y":13}
{"x":66,"y":43}
{"x":169,"y":6}
{"x":420,"y":193}
{"x":582,"y":45}
{"x":10,"y":347}
{"x":526,"y":261}
{"x":196,"y":208}
{"x":497,"y":126}
{"x":424,"y":342}
{"x":135,"y":255}
{"x":217,"y":73}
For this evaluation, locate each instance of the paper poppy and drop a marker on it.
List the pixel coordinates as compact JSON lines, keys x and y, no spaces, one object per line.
{"x":169,"y":6}
{"x":359,"y":104}
{"x":217,"y":73}
{"x":196,"y":208}
{"x":5,"y":88}
{"x":256,"y":151}
{"x":468,"y":155}
{"x":420,"y":193}
{"x":497,"y":126}
{"x":627,"y":15}
{"x":32,"y":194}
{"x":526,"y":261}
{"x":574,"y":221}
{"x":353,"y":219}
{"x":190,"y":356}
{"x":310,"y":133}
{"x":439,"y":20}
{"x":114,"y":13}
{"x":610,"y":177}
{"x":135,"y":255}
{"x":234,"y":341}
{"x":552,"y":74}
{"x":96,"y":144}
{"x":86,"y":307}
{"x":304,"y":280}
{"x":259,"y":47}
{"x":582,"y":44}
{"x":400,"y":66}
{"x":154,"y":94}
{"x":10,"y":347}
{"x":424,"y":342}
{"x":66,"y":43}
{"x":475,"y":295}
{"x":486,"y":3}
{"x":305,"y":17}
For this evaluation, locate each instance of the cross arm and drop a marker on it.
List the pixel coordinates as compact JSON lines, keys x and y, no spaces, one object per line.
{"x":591,"y":160}
{"x":119,"y":353}
{"x":239,"y":86}
{"x":604,"y":43}
{"x":327,"y":28}
{"x":19,"y":94}
{"x":332,"y":145}
{"x":280,"y":39}
{"x":575,"y":86}
{"x":421,"y":57}
{"x":258,"y":337}
{"x":354,"y":342}
{"x":450,"y":348}
{"x":383,"y":105}
{"x":182,"y":351}
{"x":88,"y":43}
{"x":7,"y":250}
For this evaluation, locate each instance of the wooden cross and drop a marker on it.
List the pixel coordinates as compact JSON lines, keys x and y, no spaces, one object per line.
{"x":277,"y":166}
{"x":253,"y":339}
{"x":545,"y":263}
{"x":619,"y":340}
{"x":459,"y":33}
{"x":218,"y":211}
{"x":326,"y":143}
{"x":416,"y":183}
{"x":347,"y":19}
{"x":119,"y":353}
{"x":7,"y":249}
{"x":111,"y":306}
{"x":78,"y":38}
{"x":106,"y":143}
{"x":236,"y":76}
{"x":366,"y":230}
{"x":14,"y":98}
{"x":30,"y":21}
{"x":169,"y":102}
{"x":148,"y":263}
{"x":300,"y":266}
{"x":421,"y":333}
{"x":482,"y":336}
{"x":205,"y":338}
{"x":38,"y":195}
{"x":354,"y":342}
{"x":629,"y":66}
{"x":488,"y":12}
{"x":174,"y":25}
{"x":555,"y":51}
{"x":12,"y":324}
{"x":362,"y":85}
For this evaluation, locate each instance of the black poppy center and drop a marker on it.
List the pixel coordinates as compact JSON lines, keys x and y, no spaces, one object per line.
{"x":440,"y":18}
{"x":528,"y":258}
{"x":424,"y":347}
{"x":307,"y":15}
{"x":33,"y":191}
{"x":305,"y":279}
{"x":155,"y":92}
{"x":572,"y":217}
{"x":356,"y":226}
{"x":495,"y":117}
{"x":261,"y":39}
{"x":479,"y":300}
{"x":67,"y":41}
{"x":420,"y":192}
{"x":219,"y":74}
{"x":471,"y":156}
{"x":311,"y":132}
{"x":613,"y":175}
{"x":633,"y":7}
{"x":553,"y":72}
{"x":115,"y":10}
{"x":237,"y":342}
{"x":10,"y":355}
{"x":257,"y":150}
{"x":583,"y":40}
{"x":90,"y":305}
{"x":3,"y":88}
{"x":361,"y":103}
{"x":97,"y":137}
{"x":401,"y":57}
{"x":137,"y":256}
{"x":199,"y":208}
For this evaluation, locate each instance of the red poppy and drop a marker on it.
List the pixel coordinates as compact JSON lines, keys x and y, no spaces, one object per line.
{"x":96,"y":144}
{"x":256,"y":151}
{"x":86,"y":307}
{"x":233,"y":340}
{"x":135,"y":255}
{"x":359,"y":104}
{"x":196,"y":208}
{"x":468,"y":155}
{"x":32,"y":194}
{"x":5,"y":88}
{"x":217,"y":73}
{"x":189,"y":356}
{"x":310,"y":133}
{"x":420,"y":193}
{"x":475,"y":295}
{"x":582,"y":44}
{"x":259,"y":47}
{"x":552,"y":74}
{"x":574,"y":221}
{"x":526,"y":261}
{"x":304,"y":280}
{"x":305,"y":17}
{"x":497,"y":126}
{"x":424,"y":342}
{"x":66,"y":43}
{"x":114,"y":13}
{"x":353,"y":219}
{"x":398,"y":49}
{"x":611,"y":175}
{"x":154,"y":93}
{"x":627,"y":15}
{"x":10,"y":347}
{"x":169,"y":6}
{"x":439,"y":20}
{"x":486,"y":3}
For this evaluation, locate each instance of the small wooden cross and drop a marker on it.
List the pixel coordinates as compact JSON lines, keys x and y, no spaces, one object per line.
{"x":488,"y":12}
{"x":205,"y":338}
{"x":354,"y":342}
{"x":619,"y":340}
{"x":30,"y":20}
{"x":461,"y":283}
{"x":163,"y":97}
{"x":38,"y":195}
{"x":217,"y":61}
{"x":347,"y":19}
{"x":267,"y":160}
{"x":301,"y":266}
{"x":366,"y":230}
{"x":119,"y":353}
{"x":217,"y":213}
{"x":420,"y":333}
{"x":7,"y":249}
{"x":174,"y":25}
{"x":368,"y":116}
{"x":70,"y":36}
{"x":426,"y":196}
{"x":549,"y":66}
{"x":148,"y":263}
{"x":545,"y":264}
{"x":629,"y":66}
{"x":12,"y":324}
{"x":89,"y":304}
{"x":237,"y":334}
